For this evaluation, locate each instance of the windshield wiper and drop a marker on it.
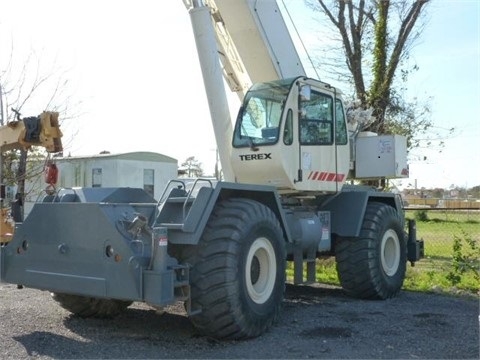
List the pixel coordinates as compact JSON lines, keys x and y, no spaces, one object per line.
{"x":252,"y":145}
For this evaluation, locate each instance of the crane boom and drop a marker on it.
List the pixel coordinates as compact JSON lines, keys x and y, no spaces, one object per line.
{"x":254,"y":42}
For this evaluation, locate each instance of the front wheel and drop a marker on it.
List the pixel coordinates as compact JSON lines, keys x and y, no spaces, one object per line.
{"x":238,"y":271}
{"x":373,"y":266}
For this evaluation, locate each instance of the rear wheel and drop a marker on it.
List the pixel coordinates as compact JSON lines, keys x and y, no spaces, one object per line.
{"x":373,"y":265}
{"x":238,"y":271}
{"x":91,"y":307}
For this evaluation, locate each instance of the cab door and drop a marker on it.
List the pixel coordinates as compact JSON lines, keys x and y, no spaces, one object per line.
{"x":318,"y":138}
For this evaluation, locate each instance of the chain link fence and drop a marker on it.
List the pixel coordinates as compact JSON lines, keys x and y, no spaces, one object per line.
{"x":440,"y":227}
{"x":451,"y":238}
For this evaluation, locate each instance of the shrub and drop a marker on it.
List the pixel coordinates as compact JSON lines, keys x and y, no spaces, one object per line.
{"x":466,"y":254}
{"x":421,"y":215}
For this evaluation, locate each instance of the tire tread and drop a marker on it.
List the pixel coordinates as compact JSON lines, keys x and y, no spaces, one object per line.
{"x":214,"y":278}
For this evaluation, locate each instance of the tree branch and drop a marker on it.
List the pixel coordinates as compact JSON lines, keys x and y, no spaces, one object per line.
{"x":407,"y":25}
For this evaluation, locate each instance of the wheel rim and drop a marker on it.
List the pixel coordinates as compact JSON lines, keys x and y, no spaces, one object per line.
{"x":390,"y":252}
{"x":260,"y":270}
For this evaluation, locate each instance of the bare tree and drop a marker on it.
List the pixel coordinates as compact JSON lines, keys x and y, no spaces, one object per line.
{"x":30,"y":87}
{"x":192,"y":167}
{"x":376,"y":37}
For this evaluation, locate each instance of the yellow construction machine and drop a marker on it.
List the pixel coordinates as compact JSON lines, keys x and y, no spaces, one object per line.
{"x":42,"y":130}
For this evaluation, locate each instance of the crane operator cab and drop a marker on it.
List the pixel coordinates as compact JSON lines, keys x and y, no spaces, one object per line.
{"x":292,"y":134}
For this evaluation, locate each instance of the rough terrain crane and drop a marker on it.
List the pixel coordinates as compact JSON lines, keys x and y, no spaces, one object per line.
{"x":222,"y":248}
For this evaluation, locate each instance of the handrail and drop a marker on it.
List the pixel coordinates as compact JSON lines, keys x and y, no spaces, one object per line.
{"x":191,"y":192}
{"x":159,"y":202}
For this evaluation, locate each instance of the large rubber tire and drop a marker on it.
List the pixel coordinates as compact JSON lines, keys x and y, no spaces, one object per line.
{"x":238,"y":271}
{"x":91,"y":307}
{"x":373,"y":266}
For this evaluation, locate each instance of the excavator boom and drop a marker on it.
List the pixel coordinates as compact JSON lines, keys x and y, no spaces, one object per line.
{"x":42,"y":130}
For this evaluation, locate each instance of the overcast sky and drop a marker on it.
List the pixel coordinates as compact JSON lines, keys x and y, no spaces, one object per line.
{"x":134,"y":67}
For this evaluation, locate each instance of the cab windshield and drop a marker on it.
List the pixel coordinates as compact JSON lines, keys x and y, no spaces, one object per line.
{"x":258,"y":121}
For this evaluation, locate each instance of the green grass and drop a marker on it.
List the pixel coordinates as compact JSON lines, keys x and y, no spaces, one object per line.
{"x":326,"y":271}
{"x":432,"y":272}
{"x":440,"y":228}
{"x":439,"y":232}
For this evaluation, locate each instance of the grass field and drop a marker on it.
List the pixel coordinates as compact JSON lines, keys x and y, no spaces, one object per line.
{"x":440,"y":230}
{"x":439,"y":236}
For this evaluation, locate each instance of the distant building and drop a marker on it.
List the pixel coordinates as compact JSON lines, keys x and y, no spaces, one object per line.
{"x":146,"y":170}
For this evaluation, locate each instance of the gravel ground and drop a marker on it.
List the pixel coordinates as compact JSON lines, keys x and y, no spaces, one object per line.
{"x":316,"y":322}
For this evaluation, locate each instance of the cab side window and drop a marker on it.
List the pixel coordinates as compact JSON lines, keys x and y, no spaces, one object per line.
{"x":316,"y":120}
{"x":288,"y":130}
{"x":340,"y":124}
